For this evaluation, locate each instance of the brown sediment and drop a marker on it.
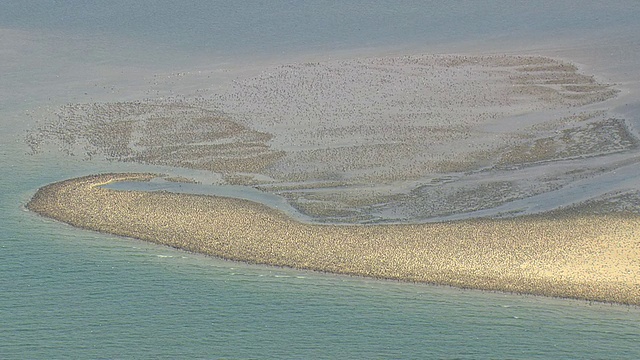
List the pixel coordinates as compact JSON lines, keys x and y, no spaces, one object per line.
{"x":594,"y":257}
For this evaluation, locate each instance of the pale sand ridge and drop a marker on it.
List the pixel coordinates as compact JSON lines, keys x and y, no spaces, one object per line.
{"x":594,"y":257}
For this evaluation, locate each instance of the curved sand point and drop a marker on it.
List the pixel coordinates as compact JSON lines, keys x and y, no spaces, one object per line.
{"x":594,"y":257}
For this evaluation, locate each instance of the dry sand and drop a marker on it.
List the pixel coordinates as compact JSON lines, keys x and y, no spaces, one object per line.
{"x":593,"y":257}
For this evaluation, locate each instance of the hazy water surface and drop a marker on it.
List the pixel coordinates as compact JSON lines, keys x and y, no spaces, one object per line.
{"x":68,"y":293}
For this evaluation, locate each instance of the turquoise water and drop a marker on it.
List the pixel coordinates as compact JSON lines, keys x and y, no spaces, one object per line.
{"x":68,"y":293}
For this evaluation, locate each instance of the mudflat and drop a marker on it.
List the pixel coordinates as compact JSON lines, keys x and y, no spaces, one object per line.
{"x":371,"y":140}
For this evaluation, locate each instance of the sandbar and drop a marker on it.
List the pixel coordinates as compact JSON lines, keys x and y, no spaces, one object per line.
{"x":565,"y":254}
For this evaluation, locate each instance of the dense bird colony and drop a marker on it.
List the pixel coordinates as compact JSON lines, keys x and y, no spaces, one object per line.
{"x":593,"y":257}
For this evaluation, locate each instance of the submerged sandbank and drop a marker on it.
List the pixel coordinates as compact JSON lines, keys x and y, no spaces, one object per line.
{"x":593,"y":257}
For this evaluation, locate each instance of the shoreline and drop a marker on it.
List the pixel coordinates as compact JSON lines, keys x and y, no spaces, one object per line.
{"x":587,"y":257}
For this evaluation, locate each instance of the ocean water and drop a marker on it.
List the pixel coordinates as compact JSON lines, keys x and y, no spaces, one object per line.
{"x":69,"y":293}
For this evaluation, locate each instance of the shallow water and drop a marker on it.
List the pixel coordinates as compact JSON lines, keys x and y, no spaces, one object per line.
{"x":66,"y":292}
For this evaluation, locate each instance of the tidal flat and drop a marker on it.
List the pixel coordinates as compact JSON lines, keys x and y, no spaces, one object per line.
{"x":369,"y":140}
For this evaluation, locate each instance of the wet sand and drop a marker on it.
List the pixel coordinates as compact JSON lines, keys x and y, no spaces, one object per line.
{"x":591,"y":257}
{"x":370,"y":149}
{"x":371,"y":140}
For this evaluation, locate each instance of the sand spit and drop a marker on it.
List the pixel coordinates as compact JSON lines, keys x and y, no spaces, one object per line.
{"x":575,"y":256}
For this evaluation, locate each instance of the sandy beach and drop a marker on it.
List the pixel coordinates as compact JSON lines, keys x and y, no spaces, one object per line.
{"x":568,"y":255}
